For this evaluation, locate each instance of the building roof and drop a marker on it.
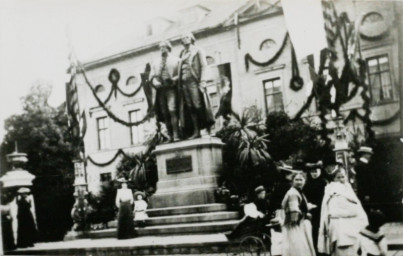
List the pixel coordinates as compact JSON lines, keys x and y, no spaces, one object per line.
{"x":219,"y":12}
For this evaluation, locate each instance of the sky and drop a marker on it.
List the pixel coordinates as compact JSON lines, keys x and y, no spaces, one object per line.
{"x":35,"y":36}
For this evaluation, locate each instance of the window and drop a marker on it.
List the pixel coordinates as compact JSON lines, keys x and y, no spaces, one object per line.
{"x":380,"y":80}
{"x":273,"y":95}
{"x":106,"y":176}
{"x":103,"y":133}
{"x":214,"y":97}
{"x":136,"y":132}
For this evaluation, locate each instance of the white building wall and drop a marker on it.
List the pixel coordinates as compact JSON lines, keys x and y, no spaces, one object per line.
{"x":247,"y":85}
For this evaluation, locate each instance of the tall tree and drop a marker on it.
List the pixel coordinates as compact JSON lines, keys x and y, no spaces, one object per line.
{"x":42,"y":132}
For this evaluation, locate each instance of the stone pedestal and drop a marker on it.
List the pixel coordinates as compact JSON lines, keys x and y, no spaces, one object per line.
{"x":188,"y":172}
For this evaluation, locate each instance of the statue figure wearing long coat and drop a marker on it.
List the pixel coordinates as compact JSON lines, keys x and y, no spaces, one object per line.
{"x":194,"y":104}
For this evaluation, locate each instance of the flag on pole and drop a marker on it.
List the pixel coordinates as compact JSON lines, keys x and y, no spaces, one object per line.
{"x":73,"y":109}
{"x":330,"y":19}
{"x":305,"y":24}
{"x":77,"y":120}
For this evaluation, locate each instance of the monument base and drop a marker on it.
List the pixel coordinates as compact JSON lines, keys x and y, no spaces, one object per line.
{"x":188,"y":172}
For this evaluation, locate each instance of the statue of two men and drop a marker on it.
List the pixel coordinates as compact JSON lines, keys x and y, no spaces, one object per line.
{"x":182,"y":102}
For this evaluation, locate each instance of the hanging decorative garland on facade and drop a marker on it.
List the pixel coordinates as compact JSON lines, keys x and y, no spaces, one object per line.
{"x":118,"y":153}
{"x":249,"y":58}
{"x":104,"y":107}
{"x":355,"y":114}
{"x":296,"y":82}
{"x":387,"y":121}
{"x":305,"y":106}
{"x":114,"y":77}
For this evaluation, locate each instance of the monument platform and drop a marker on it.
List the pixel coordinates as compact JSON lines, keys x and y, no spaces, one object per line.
{"x":187,"y":172}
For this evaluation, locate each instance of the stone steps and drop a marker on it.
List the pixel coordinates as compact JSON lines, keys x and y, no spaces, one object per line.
{"x":186,"y":228}
{"x":187,"y":218}
{"x":206,"y":244}
{"x":178,"y":210}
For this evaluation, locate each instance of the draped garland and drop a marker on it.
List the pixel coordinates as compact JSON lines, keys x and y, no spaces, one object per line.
{"x":249,"y":58}
{"x":118,"y":153}
{"x":355,"y":114}
{"x":351,"y":75}
{"x":114,"y":77}
{"x":296,"y":81}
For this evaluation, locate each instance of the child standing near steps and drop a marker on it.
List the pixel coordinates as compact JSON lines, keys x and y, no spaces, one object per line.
{"x":140,"y":207}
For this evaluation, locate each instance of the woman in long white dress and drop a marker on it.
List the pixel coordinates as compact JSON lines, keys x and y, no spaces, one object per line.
{"x":342,"y":217}
{"x":297,"y":229}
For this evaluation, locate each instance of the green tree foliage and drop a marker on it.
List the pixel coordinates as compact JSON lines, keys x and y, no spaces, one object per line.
{"x":297,"y":140}
{"x":245,"y":141}
{"x":42,"y":132}
{"x":103,"y":205}
{"x":257,"y":145}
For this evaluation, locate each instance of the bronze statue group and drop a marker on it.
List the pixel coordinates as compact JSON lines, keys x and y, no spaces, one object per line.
{"x":316,"y":217}
{"x":179,"y":83}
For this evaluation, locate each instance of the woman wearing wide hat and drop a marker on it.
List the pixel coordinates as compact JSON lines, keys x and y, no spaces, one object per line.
{"x":24,"y":221}
{"x":124,"y":201}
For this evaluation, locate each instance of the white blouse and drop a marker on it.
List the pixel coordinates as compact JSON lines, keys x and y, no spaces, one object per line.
{"x":124,"y":195}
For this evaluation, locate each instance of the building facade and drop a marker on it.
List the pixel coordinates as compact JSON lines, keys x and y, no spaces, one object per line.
{"x":229,"y":31}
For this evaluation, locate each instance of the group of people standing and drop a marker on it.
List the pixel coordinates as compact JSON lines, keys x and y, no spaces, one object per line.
{"x":322,"y":218}
{"x":132,"y":208}
{"x":19,"y":226}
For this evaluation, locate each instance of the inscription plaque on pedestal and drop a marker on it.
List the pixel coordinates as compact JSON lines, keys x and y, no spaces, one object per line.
{"x":179,"y":164}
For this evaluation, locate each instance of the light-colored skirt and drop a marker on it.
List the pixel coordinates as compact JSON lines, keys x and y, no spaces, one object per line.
{"x":297,"y":240}
{"x":140,"y":215}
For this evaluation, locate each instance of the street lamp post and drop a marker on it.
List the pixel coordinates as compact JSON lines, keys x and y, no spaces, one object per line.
{"x":343,"y":151}
{"x":80,"y":210}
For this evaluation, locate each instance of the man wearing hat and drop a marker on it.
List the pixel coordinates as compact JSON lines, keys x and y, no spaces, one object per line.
{"x":194,"y":101}
{"x":366,"y":180}
{"x":163,"y":77}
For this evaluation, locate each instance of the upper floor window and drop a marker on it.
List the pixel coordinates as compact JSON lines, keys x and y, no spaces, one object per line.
{"x":136,"y":132}
{"x":214,"y":97}
{"x":273,"y":95}
{"x":379,"y":79}
{"x":103,"y":133}
{"x":105,"y":176}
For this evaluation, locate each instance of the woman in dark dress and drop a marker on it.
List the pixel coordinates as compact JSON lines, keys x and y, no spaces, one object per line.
{"x":26,"y":224}
{"x":124,"y":201}
{"x":6,"y":229}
